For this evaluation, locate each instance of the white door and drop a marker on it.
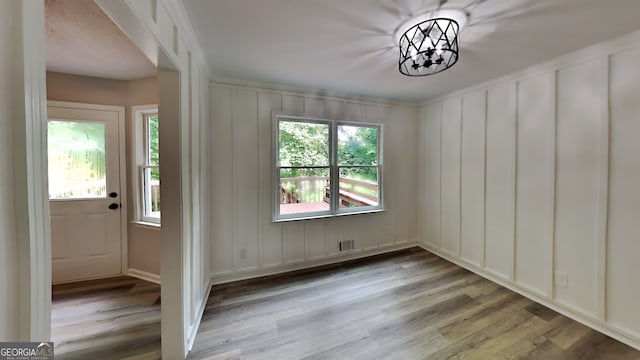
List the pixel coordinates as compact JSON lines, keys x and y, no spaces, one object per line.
{"x":85,"y":188}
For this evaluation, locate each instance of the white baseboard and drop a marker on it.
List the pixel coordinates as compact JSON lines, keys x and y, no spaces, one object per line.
{"x":144,"y":275}
{"x":217,"y":279}
{"x":595,"y":324}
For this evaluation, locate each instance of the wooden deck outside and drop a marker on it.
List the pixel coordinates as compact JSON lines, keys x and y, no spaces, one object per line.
{"x":297,"y":208}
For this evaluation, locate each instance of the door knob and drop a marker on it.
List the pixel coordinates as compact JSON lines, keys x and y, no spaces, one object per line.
{"x":113,"y":206}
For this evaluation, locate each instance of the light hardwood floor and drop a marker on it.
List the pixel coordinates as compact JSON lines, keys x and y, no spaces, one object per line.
{"x":406,"y":305}
{"x":117,"y":318}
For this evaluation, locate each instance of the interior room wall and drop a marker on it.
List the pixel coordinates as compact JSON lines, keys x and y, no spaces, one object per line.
{"x":9,"y":327}
{"x":241,"y":185}
{"x":531,"y":180}
{"x":162,"y":31}
{"x":143,"y":241}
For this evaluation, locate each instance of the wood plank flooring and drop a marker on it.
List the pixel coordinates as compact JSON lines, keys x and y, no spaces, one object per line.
{"x":406,"y":305}
{"x":117,"y":318}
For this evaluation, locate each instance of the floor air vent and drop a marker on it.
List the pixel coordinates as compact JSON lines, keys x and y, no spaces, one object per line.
{"x":346,"y":245}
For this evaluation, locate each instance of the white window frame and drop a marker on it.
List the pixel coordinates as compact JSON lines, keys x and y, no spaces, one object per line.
{"x":140,"y":163}
{"x":334,"y":169}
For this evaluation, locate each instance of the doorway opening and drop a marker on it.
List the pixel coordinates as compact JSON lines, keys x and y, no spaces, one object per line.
{"x":105,"y":259}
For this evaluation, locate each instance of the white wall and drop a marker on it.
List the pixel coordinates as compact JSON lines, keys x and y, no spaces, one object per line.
{"x":9,"y":328}
{"x":241,"y":164}
{"x":26,"y":257}
{"x":537,"y":173}
{"x":162,"y":31}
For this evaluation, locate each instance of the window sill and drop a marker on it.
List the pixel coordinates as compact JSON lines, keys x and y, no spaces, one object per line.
{"x":147,"y":225}
{"x":330,"y":216}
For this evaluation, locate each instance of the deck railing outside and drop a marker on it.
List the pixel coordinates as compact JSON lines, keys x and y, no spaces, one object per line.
{"x":303,"y":189}
{"x":307,"y":189}
{"x":155,"y":196}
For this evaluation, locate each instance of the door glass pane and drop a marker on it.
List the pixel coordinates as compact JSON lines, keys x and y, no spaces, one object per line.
{"x":77,"y":159}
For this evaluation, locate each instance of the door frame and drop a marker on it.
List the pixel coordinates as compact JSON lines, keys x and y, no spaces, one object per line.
{"x":122,"y":165}
{"x":34,"y":231}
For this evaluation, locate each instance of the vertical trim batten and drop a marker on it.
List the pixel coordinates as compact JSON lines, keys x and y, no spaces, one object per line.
{"x":259,"y":188}
{"x":514,"y":167}
{"x":461,"y":103}
{"x":440,"y":175}
{"x":605,"y":163}
{"x":234,"y":190}
{"x":485,"y":93}
{"x":553,"y":185}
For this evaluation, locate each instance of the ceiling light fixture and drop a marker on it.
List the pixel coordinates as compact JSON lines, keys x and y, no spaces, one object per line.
{"x":429,"y":43}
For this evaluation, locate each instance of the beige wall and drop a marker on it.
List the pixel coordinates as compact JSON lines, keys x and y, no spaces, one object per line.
{"x":144,"y":242}
{"x":89,"y":90}
{"x":544,"y":184}
{"x":144,"y":91}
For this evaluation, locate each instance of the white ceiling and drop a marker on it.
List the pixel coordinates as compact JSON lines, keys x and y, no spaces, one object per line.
{"x":82,"y":40}
{"x":347,"y":47}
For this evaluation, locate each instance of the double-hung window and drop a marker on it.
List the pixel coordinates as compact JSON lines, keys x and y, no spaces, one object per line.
{"x":147,"y":164}
{"x":326,"y":167}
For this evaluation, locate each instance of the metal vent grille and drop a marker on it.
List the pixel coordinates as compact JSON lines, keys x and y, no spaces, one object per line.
{"x":346,"y":245}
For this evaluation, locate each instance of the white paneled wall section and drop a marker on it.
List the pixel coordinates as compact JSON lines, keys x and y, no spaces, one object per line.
{"x":163,"y":32}
{"x":245,"y":241}
{"x":450,"y":174}
{"x":532,"y":180}
{"x":472,"y":178}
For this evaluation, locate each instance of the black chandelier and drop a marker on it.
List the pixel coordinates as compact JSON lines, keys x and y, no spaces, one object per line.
{"x":429,"y":46}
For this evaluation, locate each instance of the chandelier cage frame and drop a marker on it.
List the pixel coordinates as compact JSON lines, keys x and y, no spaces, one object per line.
{"x":429,"y":46}
{"x":429,"y":43}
